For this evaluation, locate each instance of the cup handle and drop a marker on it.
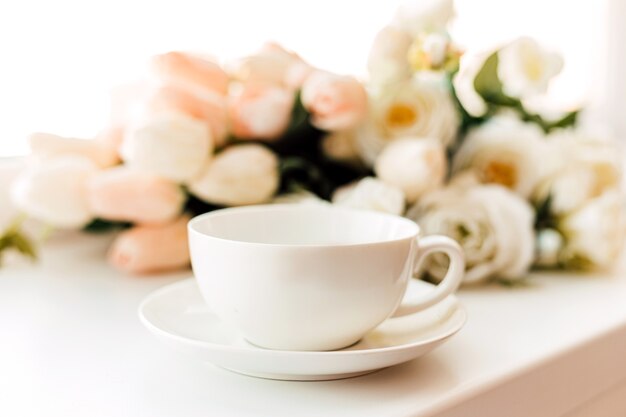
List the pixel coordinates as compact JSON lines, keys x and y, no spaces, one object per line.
{"x":427,"y":246}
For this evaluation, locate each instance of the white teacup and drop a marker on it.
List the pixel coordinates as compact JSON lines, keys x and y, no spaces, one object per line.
{"x":303,"y":277}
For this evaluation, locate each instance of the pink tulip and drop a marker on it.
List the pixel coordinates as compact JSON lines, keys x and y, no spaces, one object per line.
{"x":145,"y":249}
{"x":206,"y":106}
{"x":336,"y":102}
{"x":124,"y":194}
{"x":48,"y":145}
{"x":261,"y":111}
{"x":191,"y":71}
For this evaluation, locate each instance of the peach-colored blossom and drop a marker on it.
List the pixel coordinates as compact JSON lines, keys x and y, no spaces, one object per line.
{"x":112,"y":138}
{"x":125,"y":194}
{"x":154,"y":248}
{"x":336,"y":102}
{"x":261,"y":111}
{"x":191,"y":71}
{"x":207,"y":106}
{"x":46,"y":145}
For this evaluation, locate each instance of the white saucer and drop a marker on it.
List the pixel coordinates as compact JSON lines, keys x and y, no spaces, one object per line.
{"x":178,"y":315}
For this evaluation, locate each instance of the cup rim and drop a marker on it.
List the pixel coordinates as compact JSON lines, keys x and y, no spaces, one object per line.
{"x":192,"y":225}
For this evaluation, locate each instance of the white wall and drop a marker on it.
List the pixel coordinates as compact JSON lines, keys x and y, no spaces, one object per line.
{"x":60,"y":58}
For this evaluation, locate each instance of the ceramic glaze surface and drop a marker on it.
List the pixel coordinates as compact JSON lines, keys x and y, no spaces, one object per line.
{"x":307,"y":278}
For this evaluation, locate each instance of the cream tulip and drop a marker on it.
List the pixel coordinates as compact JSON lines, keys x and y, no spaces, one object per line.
{"x":47,"y":145}
{"x":172,"y":145}
{"x":239,"y":175}
{"x":54,"y":191}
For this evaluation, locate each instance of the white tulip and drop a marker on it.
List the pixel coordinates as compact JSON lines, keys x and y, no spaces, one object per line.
{"x":370,"y":194}
{"x":299,"y":197}
{"x":420,"y":16}
{"x":493,"y":225}
{"x":54,"y":191}
{"x":594,"y":234}
{"x":525,"y":68}
{"x":172,"y":145}
{"x":508,"y":152}
{"x":46,"y":145}
{"x":415,"y":165}
{"x":469,"y":67}
{"x":417,"y":108}
{"x":9,"y":170}
{"x":589,"y":167}
{"x":239,"y":175}
{"x":388,"y":58}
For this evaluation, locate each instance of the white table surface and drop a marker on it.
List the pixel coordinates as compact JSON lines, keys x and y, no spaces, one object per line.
{"x":72,"y":345}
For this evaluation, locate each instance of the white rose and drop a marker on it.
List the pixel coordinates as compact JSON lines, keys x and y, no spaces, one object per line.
{"x":508,"y":152}
{"x":594,"y":234}
{"x":171,"y":145}
{"x":589,"y":167}
{"x":419,"y":16}
{"x":388,"y":58}
{"x":239,"y":175}
{"x":54,"y":191}
{"x":493,"y":225}
{"x":417,"y":108}
{"x":469,"y":67}
{"x":370,"y":194}
{"x":525,"y":68}
{"x":415,"y":165}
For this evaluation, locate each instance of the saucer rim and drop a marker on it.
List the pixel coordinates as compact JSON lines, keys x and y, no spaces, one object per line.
{"x":459,"y":309}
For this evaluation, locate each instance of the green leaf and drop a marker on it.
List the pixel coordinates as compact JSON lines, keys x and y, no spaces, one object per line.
{"x":544,"y":219}
{"x":299,"y":115}
{"x":24,"y":246}
{"x":514,"y":283}
{"x":298,"y":173}
{"x":568,"y":120}
{"x":467,"y":120}
{"x":488,"y":85}
{"x":102,"y":226}
{"x":15,"y":239}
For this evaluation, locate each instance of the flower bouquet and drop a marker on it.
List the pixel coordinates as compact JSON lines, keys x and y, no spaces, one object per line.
{"x":451,"y":139}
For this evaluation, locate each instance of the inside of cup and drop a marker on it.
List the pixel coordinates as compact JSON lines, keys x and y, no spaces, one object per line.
{"x":303,"y":225}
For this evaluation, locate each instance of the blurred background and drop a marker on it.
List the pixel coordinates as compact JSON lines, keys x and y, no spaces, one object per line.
{"x":60,"y":59}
